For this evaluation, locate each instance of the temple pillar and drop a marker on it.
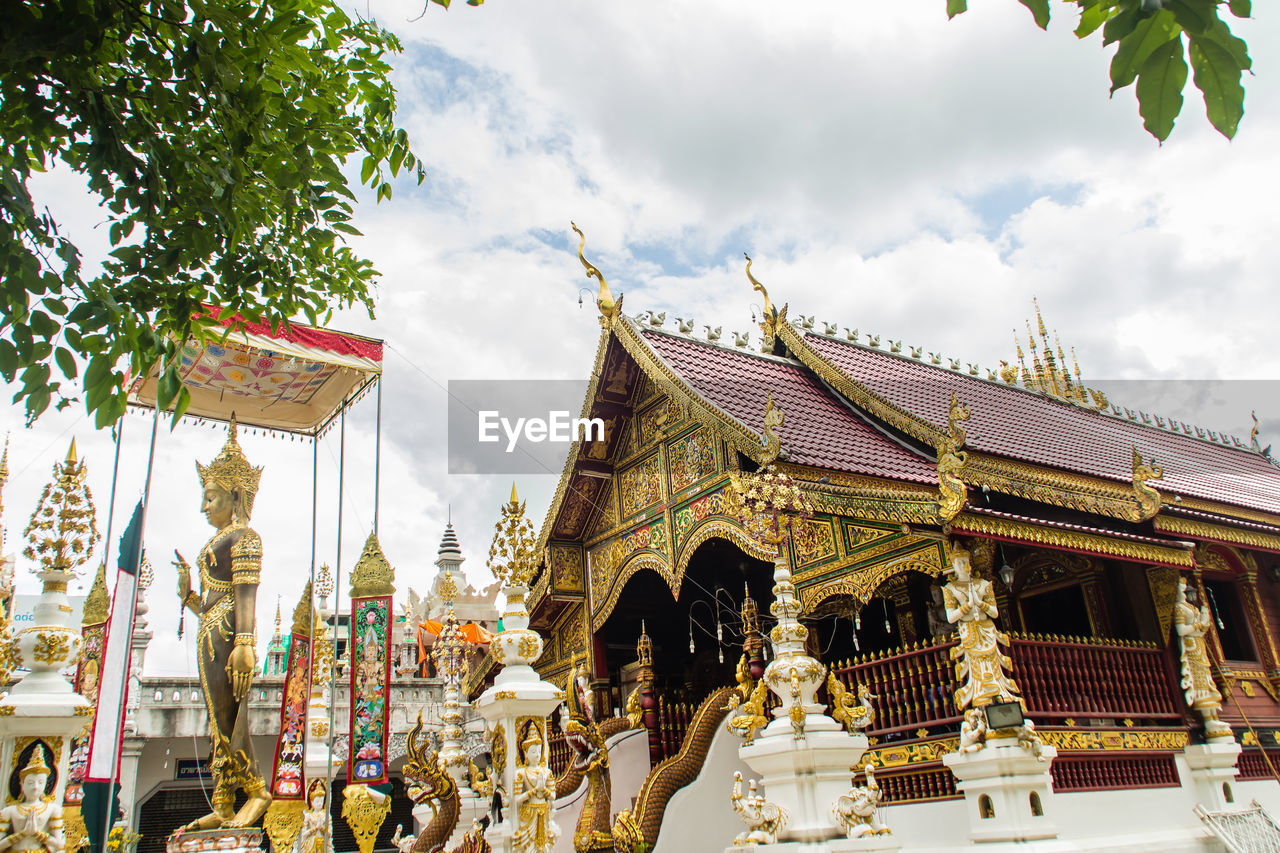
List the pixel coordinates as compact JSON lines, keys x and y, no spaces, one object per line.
{"x":1007,"y":790}
{"x":1213,"y":772}
{"x":130,"y":759}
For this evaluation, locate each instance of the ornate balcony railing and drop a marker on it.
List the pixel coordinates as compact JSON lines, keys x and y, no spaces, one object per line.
{"x":1063,"y":678}
{"x":1060,"y":679}
{"x":1110,"y":772}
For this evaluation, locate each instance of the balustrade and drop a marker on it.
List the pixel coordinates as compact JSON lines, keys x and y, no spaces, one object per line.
{"x":1059,"y":678}
{"x":559,"y":753}
{"x":916,"y":784}
{"x":1071,"y":677}
{"x":1108,"y":772}
{"x":1253,"y":765}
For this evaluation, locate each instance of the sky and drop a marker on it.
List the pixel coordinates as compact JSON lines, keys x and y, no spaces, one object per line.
{"x":887,"y":170}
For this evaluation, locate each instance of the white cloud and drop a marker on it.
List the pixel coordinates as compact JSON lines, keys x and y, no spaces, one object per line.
{"x":852,"y":149}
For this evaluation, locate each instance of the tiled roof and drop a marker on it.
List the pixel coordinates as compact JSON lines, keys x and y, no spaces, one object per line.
{"x":819,"y":429}
{"x":1028,"y":426}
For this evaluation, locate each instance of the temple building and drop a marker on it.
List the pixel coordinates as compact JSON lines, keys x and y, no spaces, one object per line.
{"x":1083,"y":514}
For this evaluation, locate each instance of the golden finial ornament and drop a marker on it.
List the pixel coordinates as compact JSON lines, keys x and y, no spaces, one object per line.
{"x":146,"y":574}
{"x":610,"y":309}
{"x":373,"y":575}
{"x":36,"y":764}
{"x":230,"y":470}
{"x":511,"y":553}
{"x":97,"y":606}
{"x":771,"y":318}
{"x":62,"y":532}
{"x":324,"y":583}
{"x":1051,"y":376}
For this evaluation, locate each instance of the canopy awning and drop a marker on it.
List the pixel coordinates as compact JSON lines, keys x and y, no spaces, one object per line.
{"x":471,"y":632}
{"x":293,"y":379}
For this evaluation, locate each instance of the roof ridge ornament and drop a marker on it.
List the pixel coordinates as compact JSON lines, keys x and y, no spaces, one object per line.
{"x":610,"y":309}
{"x":951,"y":458}
{"x":1148,"y":497}
{"x":771,"y":317}
{"x":1049,"y":373}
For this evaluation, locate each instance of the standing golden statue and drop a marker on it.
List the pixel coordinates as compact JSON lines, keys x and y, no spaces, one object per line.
{"x":226,"y":641}
{"x":1192,"y":624}
{"x":982,"y":668}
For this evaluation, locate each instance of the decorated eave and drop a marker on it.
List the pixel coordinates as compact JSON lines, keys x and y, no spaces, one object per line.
{"x":292,"y":379}
{"x":1044,"y":448}
{"x":845,"y":463}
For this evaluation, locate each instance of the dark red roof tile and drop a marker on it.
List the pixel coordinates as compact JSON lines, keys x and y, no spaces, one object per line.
{"x":1032,"y":427}
{"x":819,"y":429}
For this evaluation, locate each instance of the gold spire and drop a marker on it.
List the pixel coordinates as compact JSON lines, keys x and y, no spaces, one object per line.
{"x":1051,"y":376}
{"x":62,"y":531}
{"x":96,"y":604}
{"x":302,"y":614}
{"x":610,"y":308}
{"x":276,"y":637}
{"x":511,"y":553}
{"x":373,"y":575}
{"x":230,"y":470}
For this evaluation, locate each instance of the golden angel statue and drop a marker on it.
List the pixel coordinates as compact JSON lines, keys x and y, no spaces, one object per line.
{"x":981,"y":667}
{"x":34,"y":823}
{"x":1197,"y":678}
{"x":226,"y":640}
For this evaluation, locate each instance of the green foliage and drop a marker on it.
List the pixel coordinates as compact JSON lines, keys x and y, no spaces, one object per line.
{"x":214,"y":134}
{"x":1149,"y":38}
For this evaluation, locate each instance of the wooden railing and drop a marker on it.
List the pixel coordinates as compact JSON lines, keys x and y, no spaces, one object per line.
{"x":1059,"y":679}
{"x":913,"y":687}
{"x":914,"y":784}
{"x":1109,"y":772}
{"x":1063,"y":678}
{"x":559,"y":753}
{"x":673,"y":723}
{"x":1252,"y":764}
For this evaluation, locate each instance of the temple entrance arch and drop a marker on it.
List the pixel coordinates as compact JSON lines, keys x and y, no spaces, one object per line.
{"x":712,"y":584}
{"x":904,"y":609}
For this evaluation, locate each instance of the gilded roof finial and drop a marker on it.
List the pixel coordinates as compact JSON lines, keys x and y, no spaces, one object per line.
{"x":771,"y":317}
{"x":1253,"y":433}
{"x":610,"y":308}
{"x":97,"y":606}
{"x":1039,"y":319}
{"x":63,"y":531}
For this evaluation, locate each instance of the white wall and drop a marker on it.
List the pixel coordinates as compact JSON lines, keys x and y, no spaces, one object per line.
{"x":699,"y":816}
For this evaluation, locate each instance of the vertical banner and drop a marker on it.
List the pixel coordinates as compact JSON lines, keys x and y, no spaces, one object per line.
{"x":88,"y":676}
{"x":370,"y":689}
{"x":287,"y":769}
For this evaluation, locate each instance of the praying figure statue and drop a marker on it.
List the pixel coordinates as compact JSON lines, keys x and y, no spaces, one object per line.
{"x":34,"y":823}
{"x":1197,"y":678}
{"x":535,"y":794}
{"x":981,"y":666}
{"x":314,"y":835}
{"x":226,"y":640}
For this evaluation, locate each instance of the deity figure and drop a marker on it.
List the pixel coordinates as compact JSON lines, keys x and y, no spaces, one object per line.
{"x":534,"y":795}
{"x":981,"y":667}
{"x":226,"y":640}
{"x":34,"y":823}
{"x":1197,"y":678}
{"x":369,"y":669}
{"x":314,"y":835}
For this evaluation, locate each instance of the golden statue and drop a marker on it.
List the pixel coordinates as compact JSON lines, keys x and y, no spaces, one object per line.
{"x":981,"y":667}
{"x":535,"y":794}
{"x":1197,"y":678}
{"x":226,"y":641}
{"x":35,"y":823}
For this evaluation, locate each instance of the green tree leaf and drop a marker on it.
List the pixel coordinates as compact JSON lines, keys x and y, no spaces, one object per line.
{"x":1135,"y":48}
{"x":1241,"y":8}
{"x":1217,"y":76}
{"x":1039,"y":11}
{"x":956,"y":7}
{"x":1160,"y":82}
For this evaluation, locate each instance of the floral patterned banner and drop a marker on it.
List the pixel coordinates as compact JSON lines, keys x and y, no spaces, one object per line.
{"x":88,"y":674}
{"x":370,"y":689}
{"x":287,"y":776}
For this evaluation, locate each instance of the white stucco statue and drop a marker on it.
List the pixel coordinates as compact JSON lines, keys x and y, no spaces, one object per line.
{"x":973,"y":731}
{"x":34,"y":823}
{"x":314,"y":835}
{"x":764,"y":819}
{"x":1202,"y":694}
{"x":534,"y":800}
{"x":855,"y":812}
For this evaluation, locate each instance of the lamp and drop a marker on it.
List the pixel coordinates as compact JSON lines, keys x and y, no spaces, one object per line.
{"x":1006,"y":570}
{"x":1004,"y":715}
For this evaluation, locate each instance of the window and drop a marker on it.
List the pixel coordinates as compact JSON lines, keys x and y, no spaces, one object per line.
{"x":1227,"y":610}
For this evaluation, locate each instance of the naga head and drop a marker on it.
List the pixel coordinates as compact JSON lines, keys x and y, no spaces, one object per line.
{"x":580,"y":730}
